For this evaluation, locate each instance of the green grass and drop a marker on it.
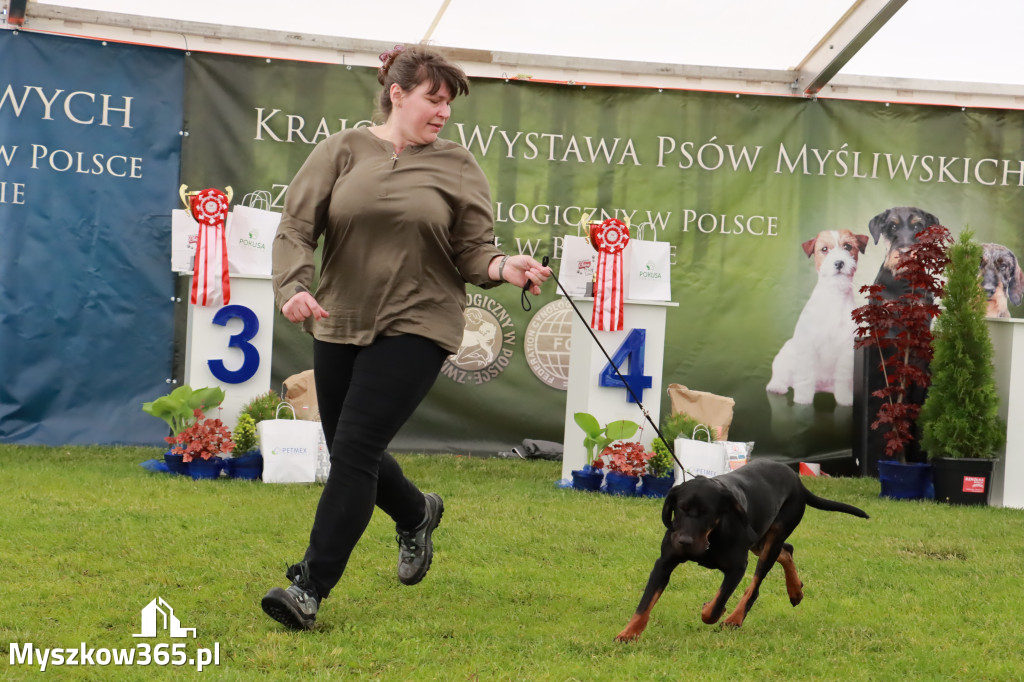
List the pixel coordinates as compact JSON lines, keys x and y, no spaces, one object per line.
{"x":529,"y":582}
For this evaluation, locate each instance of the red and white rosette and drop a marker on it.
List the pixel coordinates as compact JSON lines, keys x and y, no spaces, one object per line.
{"x":609,"y":238}
{"x":210,"y":283}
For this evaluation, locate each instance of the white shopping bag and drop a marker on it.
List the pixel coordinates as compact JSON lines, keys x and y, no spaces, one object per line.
{"x":323,"y":458}
{"x":700,"y":458}
{"x":251,"y":231}
{"x":579,"y":263}
{"x":184,"y":236}
{"x":289,"y":448}
{"x":646,"y":266}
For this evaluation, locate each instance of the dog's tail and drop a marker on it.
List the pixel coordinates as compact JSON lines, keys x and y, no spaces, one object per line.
{"x":831,"y":505}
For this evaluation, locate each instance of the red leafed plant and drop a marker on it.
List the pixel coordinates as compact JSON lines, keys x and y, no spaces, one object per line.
{"x":204,"y":439}
{"x":899,"y":325}
{"x":624,"y":457}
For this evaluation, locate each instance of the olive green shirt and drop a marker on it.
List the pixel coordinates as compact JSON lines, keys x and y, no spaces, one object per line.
{"x":401,"y":238}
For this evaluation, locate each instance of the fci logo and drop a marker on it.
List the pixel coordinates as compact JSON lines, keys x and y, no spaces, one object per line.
{"x":158,"y":613}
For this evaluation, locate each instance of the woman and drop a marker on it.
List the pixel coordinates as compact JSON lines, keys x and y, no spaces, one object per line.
{"x":406,"y":220}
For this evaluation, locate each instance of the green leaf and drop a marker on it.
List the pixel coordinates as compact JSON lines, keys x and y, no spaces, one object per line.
{"x":588,"y":423}
{"x":621,"y":429}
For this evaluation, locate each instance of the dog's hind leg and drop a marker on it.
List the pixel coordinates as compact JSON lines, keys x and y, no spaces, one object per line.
{"x":794,"y":586}
{"x":771,"y":548}
{"x":656,"y":584}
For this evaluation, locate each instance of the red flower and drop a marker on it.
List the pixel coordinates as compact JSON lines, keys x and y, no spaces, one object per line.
{"x":624,"y":457}
{"x":204,"y":439}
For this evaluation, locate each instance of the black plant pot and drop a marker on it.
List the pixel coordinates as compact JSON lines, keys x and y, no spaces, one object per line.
{"x":962,"y":481}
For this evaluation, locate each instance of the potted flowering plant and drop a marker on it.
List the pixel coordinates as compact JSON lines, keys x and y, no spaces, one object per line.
{"x":596,"y":439}
{"x":897,"y":321}
{"x":178,"y":409}
{"x":625,"y":462}
{"x":201,"y":445}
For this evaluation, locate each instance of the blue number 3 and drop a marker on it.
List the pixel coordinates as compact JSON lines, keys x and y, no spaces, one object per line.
{"x":251,"y":361}
{"x":632,"y":349}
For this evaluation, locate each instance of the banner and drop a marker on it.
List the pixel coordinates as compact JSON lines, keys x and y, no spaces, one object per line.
{"x":89,"y":159}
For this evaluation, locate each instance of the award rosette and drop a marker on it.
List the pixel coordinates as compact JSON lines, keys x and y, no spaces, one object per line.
{"x":210,"y":283}
{"x":609,"y":238}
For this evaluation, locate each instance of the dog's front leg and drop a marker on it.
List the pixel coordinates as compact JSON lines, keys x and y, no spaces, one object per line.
{"x":656,"y":584}
{"x":713,"y":609}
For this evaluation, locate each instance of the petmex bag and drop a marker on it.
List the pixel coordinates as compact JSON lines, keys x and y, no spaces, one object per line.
{"x":700,"y":458}
{"x":289,"y":448}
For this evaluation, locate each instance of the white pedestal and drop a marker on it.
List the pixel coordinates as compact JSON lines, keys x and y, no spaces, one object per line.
{"x":1007,"y":336}
{"x":230,"y":346}
{"x":586,"y":363}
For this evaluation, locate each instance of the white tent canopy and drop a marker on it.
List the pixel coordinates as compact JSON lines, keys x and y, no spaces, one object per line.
{"x":928,"y":51}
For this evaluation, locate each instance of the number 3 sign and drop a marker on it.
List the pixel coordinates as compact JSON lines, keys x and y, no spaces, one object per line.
{"x":231,"y":346}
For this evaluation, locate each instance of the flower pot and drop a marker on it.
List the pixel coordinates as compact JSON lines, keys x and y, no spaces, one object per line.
{"x":175,"y":463}
{"x":587,"y":479}
{"x":621,"y":484}
{"x":656,"y":486}
{"x":910,"y":481}
{"x":248,"y":466}
{"x":205,"y":468}
{"x":962,"y":481}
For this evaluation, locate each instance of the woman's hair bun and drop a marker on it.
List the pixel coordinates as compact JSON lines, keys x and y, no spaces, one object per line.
{"x":387,"y":59}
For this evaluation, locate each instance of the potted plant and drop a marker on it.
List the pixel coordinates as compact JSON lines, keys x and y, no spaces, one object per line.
{"x":246,"y":461}
{"x":897,"y":321}
{"x":961,"y":429}
{"x":265,"y":406}
{"x":202,"y":444}
{"x":178,"y":409}
{"x":657,"y":480}
{"x":596,"y":439}
{"x":624,"y":462}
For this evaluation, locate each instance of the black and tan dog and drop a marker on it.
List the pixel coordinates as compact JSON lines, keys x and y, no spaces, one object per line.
{"x":899,"y":227}
{"x":716,"y":521}
{"x":1001,"y":278}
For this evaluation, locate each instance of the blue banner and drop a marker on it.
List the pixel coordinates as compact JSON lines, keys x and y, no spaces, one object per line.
{"x":89,"y":157}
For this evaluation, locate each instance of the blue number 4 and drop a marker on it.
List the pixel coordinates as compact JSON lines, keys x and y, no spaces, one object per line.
{"x":632,"y":349}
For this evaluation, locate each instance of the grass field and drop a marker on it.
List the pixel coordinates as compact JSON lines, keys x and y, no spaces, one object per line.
{"x":529,"y":582}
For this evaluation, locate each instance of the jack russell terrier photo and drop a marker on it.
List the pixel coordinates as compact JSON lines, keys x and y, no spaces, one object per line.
{"x":819,"y":357}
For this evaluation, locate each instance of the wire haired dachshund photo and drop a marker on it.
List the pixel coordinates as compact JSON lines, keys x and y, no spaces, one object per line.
{"x":716,"y":521}
{"x":1001,"y":278}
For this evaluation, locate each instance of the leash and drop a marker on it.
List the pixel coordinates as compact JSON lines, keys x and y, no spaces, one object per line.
{"x":526,"y":306}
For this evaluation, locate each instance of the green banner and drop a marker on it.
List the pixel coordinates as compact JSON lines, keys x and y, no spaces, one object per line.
{"x":736,"y":185}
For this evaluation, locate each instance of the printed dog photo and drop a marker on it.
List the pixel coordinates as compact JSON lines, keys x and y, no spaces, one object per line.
{"x":819,"y":356}
{"x":1001,"y":278}
{"x":898,"y":226}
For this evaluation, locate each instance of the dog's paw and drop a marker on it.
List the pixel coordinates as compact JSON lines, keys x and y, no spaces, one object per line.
{"x":627,"y":636}
{"x":707,"y":616}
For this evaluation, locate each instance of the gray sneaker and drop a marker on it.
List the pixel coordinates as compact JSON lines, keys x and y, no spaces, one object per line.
{"x":296,"y":606}
{"x":415,"y":548}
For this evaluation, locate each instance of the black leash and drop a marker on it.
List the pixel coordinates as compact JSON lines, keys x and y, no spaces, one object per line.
{"x":586,"y":325}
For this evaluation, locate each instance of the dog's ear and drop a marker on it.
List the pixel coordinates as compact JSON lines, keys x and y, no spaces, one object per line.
{"x":929,"y":219}
{"x":669,"y":506}
{"x":809,"y":246}
{"x":862,"y":242}
{"x":1016,"y":289}
{"x":876,"y":224}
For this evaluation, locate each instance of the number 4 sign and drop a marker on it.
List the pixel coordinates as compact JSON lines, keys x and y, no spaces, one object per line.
{"x":633,"y":379}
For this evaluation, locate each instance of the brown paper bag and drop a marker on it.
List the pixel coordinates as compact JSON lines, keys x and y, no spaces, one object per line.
{"x":300,"y":391}
{"x":707,"y":408}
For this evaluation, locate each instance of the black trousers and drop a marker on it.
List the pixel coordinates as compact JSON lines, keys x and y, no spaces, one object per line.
{"x":365,"y":395}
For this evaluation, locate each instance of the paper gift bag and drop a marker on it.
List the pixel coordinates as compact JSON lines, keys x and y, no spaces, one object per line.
{"x":251,"y":231}
{"x":184,"y":235}
{"x":647,"y":271}
{"x":289,"y":448}
{"x":707,"y":408}
{"x":579,"y":262}
{"x":699,"y":458}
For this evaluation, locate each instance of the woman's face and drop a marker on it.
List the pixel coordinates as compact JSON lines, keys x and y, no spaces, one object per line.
{"x":418,"y":114}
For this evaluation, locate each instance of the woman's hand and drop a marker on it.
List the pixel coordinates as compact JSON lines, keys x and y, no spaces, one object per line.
{"x":302,"y":305}
{"x":518,"y":271}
